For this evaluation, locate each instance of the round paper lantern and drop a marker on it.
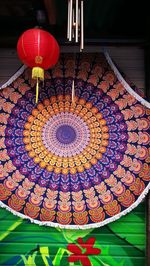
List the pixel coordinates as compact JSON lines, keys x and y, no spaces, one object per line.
{"x":39,"y":50}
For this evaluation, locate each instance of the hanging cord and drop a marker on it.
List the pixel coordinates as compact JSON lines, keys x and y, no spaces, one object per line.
{"x":37,"y":90}
{"x":74,"y":77}
{"x":73,"y":92}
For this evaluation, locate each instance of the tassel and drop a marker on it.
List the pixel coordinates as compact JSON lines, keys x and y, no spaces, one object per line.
{"x":37,"y":73}
{"x":37,"y":91}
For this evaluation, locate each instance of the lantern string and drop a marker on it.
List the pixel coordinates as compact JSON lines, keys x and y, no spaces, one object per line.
{"x":73,"y":91}
{"x":74,"y":76}
{"x":37,"y":90}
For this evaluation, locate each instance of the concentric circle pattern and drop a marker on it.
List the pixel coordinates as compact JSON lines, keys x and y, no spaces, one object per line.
{"x":73,"y":163}
{"x":65,"y":137}
{"x":66,"y":134}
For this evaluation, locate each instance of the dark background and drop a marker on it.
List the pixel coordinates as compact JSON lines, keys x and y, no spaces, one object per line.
{"x":105,"y":21}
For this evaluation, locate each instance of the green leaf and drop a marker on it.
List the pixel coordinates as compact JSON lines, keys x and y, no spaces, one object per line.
{"x":19,"y":237}
{"x":45,"y":256}
{"x":72,"y":235}
{"x":122,"y":263}
{"x":108,"y":259}
{"x":44,"y":251}
{"x":59,"y":256}
{"x":10,"y":224}
{"x":98,"y":262}
{"x":30,"y":260}
{"x":132,"y":228}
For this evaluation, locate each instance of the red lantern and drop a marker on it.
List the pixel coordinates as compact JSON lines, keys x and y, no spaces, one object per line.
{"x":39,"y":50}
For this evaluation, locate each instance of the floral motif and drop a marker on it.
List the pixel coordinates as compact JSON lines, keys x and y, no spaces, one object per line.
{"x":112,"y":208}
{"x":127,"y":198}
{"x":64,"y":218}
{"x":137,"y":187}
{"x":15,"y":203}
{"x":145,"y":172}
{"x":31,"y":210}
{"x":81,"y":218}
{"x":3,"y":155}
{"x":82,"y":250}
{"x":4,"y":192}
{"x":47,"y":215}
{"x":97,"y":214}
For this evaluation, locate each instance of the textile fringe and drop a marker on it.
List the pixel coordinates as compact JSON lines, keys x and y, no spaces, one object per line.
{"x":14,"y":77}
{"x":124,"y":83}
{"x":83,"y":227}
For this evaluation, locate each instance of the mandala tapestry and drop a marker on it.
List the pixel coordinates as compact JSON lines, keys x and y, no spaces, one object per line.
{"x":73,"y":164}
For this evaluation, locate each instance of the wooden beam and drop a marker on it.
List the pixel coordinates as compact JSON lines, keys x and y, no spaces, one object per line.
{"x":51,"y":11}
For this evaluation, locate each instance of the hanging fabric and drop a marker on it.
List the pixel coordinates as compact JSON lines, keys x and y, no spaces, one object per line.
{"x":78,"y":164}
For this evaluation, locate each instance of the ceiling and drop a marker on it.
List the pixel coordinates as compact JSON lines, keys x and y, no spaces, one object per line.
{"x":107,"y":21}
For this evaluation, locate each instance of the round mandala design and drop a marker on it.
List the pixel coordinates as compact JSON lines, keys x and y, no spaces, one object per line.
{"x":73,"y":164}
{"x":65,"y":141}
